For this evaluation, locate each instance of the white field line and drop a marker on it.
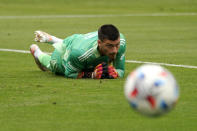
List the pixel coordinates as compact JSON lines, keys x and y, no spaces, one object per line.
{"x":18,"y":51}
{"x":128,"y":61}
{"x":97,"y":16}
{"x":13,"y":50}
{"x":165,"y":64}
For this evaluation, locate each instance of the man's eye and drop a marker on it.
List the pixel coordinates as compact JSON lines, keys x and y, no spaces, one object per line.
{"x":110,"y":45}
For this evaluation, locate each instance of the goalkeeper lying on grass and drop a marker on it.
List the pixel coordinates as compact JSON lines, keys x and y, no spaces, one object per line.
{"x":97,"y":55}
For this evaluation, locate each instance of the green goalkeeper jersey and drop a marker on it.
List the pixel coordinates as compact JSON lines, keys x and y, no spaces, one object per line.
{"x":79,"y":53}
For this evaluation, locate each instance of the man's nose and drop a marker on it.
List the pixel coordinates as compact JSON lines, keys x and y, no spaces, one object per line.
{"x":115,"y":49}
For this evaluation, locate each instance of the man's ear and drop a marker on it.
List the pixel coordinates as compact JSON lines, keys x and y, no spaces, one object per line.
{"x":99,"y":42}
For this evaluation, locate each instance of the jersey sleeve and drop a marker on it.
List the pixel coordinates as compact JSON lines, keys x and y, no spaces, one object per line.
{"x":119,"y":62}
{"x":73,"y":65}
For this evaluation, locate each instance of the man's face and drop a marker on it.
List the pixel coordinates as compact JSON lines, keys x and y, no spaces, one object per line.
{"x":109,"y":48}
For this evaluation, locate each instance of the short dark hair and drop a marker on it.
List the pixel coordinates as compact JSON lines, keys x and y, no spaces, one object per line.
{"x":109,"y":32}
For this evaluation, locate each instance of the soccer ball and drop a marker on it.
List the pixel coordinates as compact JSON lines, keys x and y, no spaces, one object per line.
{"x":151,"y":90}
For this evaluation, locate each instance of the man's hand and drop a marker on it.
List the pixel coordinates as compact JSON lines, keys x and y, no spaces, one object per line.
{"x":112,"y":72}
{"x":100,"y":71}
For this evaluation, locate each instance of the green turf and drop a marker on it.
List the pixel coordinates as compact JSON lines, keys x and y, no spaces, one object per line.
{"x":37,"y":101}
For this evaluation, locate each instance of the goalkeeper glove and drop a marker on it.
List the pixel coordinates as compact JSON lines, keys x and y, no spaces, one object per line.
{"x":100,"y":72}
{"x":112,"y":72}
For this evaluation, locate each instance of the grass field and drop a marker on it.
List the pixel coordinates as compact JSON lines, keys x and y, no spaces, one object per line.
{"x":31,"y":100}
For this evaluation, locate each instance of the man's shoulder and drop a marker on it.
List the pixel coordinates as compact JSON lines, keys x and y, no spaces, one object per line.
{"x":122,"y":37}
{"x":82,"y":54}
{"x":122,"y":40}
{"x":91,"y":35}
{"x":122,"y":44}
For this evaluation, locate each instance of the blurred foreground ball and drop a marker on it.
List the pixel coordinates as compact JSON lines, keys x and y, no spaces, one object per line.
{"x":151,"y":90}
